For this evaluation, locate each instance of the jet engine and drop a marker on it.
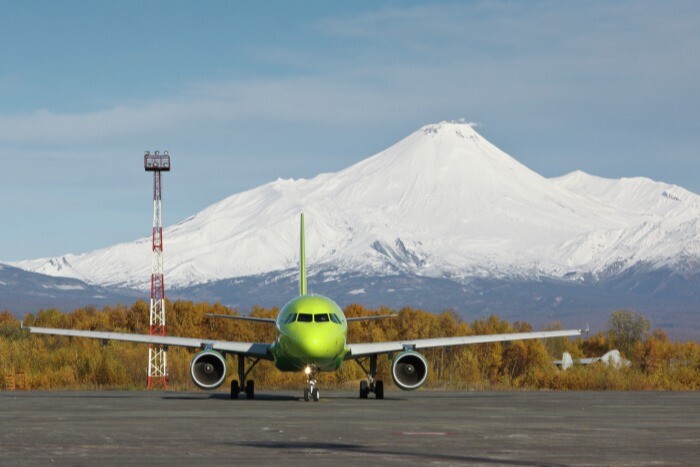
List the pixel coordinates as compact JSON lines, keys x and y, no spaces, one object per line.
{"x":409,"y":370}
{"x":208,"y":369}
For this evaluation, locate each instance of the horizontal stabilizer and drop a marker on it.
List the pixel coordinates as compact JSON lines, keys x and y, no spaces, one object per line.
{"x":368,"y":318}
{"x":244,"y":318}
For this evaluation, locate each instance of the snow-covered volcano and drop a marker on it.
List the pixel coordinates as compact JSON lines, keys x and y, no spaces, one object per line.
{"x":443,"y":202}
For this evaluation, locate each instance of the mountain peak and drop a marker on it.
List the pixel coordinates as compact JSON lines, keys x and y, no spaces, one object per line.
{"x":442,"y":202}
{"x":444,"y":148}
{"x":460,"y":129}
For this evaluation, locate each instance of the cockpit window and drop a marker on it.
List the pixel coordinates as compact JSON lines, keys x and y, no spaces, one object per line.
{"x":321,"y":318}
{"x":335,"y":319}
{"x":291,"y":318}
{"x":305,"y":318}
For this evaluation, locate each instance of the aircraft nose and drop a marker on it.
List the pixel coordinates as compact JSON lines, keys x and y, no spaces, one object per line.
{"x":319,"y":345}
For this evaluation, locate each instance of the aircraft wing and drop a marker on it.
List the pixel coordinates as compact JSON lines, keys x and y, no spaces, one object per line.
{"x":359,"y":350}
{"x":250,"y":349}
{"x":587,"y":361}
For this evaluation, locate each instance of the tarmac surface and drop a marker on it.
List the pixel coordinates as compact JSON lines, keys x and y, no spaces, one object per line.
{"x":421,"y":427}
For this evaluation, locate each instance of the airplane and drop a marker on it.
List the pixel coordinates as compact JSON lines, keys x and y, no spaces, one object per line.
{"x":311,"y":338}
{"x":612,"y":357}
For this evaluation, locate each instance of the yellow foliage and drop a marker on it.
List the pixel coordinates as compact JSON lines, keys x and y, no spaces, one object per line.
{"x":53,"y":362}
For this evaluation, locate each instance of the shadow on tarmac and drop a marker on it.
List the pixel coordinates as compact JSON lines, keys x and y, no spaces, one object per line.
{"x":266,"y":397}
{"x":227,"y":397}
{"x":356,"y":448}
{"x":85,"y":395}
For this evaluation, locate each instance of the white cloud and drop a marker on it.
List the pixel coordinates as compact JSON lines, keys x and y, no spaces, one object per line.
{"x":306,"y":100}
{"x":471,"y":124}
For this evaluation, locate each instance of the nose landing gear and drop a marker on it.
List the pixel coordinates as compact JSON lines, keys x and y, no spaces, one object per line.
{"x":311,"y":391}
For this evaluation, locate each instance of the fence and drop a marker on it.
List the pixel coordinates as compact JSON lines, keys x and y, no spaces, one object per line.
{"x":14,"y":380}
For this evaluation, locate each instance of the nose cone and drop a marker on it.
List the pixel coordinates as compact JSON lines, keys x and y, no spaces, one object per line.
{"x":319,"y":345}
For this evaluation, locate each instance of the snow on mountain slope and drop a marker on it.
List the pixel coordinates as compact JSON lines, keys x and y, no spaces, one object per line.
{"x":640,"y":195}
{"x":664,"y":228}
{"x":443,"y":202}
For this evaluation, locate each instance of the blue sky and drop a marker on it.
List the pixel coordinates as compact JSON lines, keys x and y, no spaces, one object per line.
{"x":242,"y":93}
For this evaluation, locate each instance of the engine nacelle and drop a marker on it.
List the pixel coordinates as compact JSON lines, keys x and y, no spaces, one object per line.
{"x":208,"y":369}
{"x":409,"y":370}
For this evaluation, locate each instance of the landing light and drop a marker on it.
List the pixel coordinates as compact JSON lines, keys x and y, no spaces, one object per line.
{"x":307,"y":370}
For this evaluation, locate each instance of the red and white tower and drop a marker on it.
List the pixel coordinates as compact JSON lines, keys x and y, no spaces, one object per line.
{"x":157,"y":354}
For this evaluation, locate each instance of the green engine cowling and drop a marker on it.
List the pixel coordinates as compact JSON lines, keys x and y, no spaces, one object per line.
{"x":208,"y":369}
{"x":409,"y":370}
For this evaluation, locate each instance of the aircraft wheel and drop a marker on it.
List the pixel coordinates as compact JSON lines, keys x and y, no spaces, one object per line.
{"x":235,"y":390}
{"x":250,"y":389}
{"x":307,"y":397}
{"x":379,"y":389}
{"x":316,"y":396}
{"x":364,"y":389}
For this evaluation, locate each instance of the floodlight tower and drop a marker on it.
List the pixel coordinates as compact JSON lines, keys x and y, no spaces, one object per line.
{"x":157,"y":354}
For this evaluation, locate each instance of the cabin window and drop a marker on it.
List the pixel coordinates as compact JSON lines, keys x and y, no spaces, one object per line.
{"x":321,"y":318}
{"x":335,"y":319}
{"x":291,"y":318}
{"x":305,"y":318}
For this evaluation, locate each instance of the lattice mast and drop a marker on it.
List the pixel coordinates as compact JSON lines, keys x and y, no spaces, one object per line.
{"x":157,"y":354}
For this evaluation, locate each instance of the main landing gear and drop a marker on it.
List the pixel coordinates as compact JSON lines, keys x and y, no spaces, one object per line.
{"x":371,"y":385}
{"x":311,"y":391}
{"x":249,"y":387}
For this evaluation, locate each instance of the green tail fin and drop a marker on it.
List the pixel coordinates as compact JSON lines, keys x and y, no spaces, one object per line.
{"x":302,"y":261}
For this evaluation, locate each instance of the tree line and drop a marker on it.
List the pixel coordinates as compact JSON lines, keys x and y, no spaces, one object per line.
{"x":55,"y":362}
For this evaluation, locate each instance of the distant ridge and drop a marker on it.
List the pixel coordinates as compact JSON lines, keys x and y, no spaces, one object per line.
{"x":26,"y":292}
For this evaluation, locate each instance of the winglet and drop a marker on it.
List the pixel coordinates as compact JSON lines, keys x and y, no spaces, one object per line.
{"x":302,"y":260}
{"x":587,"y":330}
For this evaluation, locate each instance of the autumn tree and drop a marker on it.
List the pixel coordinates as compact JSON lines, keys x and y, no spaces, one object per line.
{"x":625,"y":328}
{"x":53,"y":362}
